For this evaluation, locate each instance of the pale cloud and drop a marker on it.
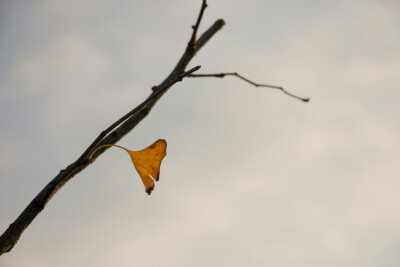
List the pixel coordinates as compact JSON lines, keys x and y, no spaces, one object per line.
{"x":67,"y":62}
{"x":70,"y":73}
{"x":8,"y":154}
{"x":71,"y":13}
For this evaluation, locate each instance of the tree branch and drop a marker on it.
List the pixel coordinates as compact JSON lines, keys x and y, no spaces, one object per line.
{"x":223,"y":74}
{"x":11,"y":236}
{"x":126,"y":123}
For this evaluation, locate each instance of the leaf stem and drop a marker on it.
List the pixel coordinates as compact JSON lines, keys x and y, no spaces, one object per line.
{"x":106,"y":145}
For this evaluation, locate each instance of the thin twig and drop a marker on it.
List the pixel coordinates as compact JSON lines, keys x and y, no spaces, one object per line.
{"x":192,"y":42}
{"x":223,"y":74}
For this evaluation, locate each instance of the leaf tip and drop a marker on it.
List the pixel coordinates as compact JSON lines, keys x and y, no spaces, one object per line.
{"x":149,"y":189}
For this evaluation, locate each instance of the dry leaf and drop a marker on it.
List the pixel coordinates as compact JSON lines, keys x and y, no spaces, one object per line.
{"x":147,"y":162}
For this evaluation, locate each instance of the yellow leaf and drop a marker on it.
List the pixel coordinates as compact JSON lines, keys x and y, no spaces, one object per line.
{"x":147,"y":162}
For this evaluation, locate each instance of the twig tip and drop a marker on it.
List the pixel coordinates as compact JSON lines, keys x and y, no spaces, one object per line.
{"x":196,"y":68}
{"x":221,"y":21}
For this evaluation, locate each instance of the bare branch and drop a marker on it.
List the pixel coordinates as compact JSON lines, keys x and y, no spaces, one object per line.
{"x":126,"y":123}
{"x":11,"y":236}
{"x":223,"y":74}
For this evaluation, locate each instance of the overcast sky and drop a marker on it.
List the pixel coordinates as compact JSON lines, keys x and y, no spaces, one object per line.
{"x":252,"y":177}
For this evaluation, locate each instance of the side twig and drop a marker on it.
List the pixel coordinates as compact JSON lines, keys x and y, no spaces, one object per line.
{"x":192,"y":42}
{"x":223,"y":74}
